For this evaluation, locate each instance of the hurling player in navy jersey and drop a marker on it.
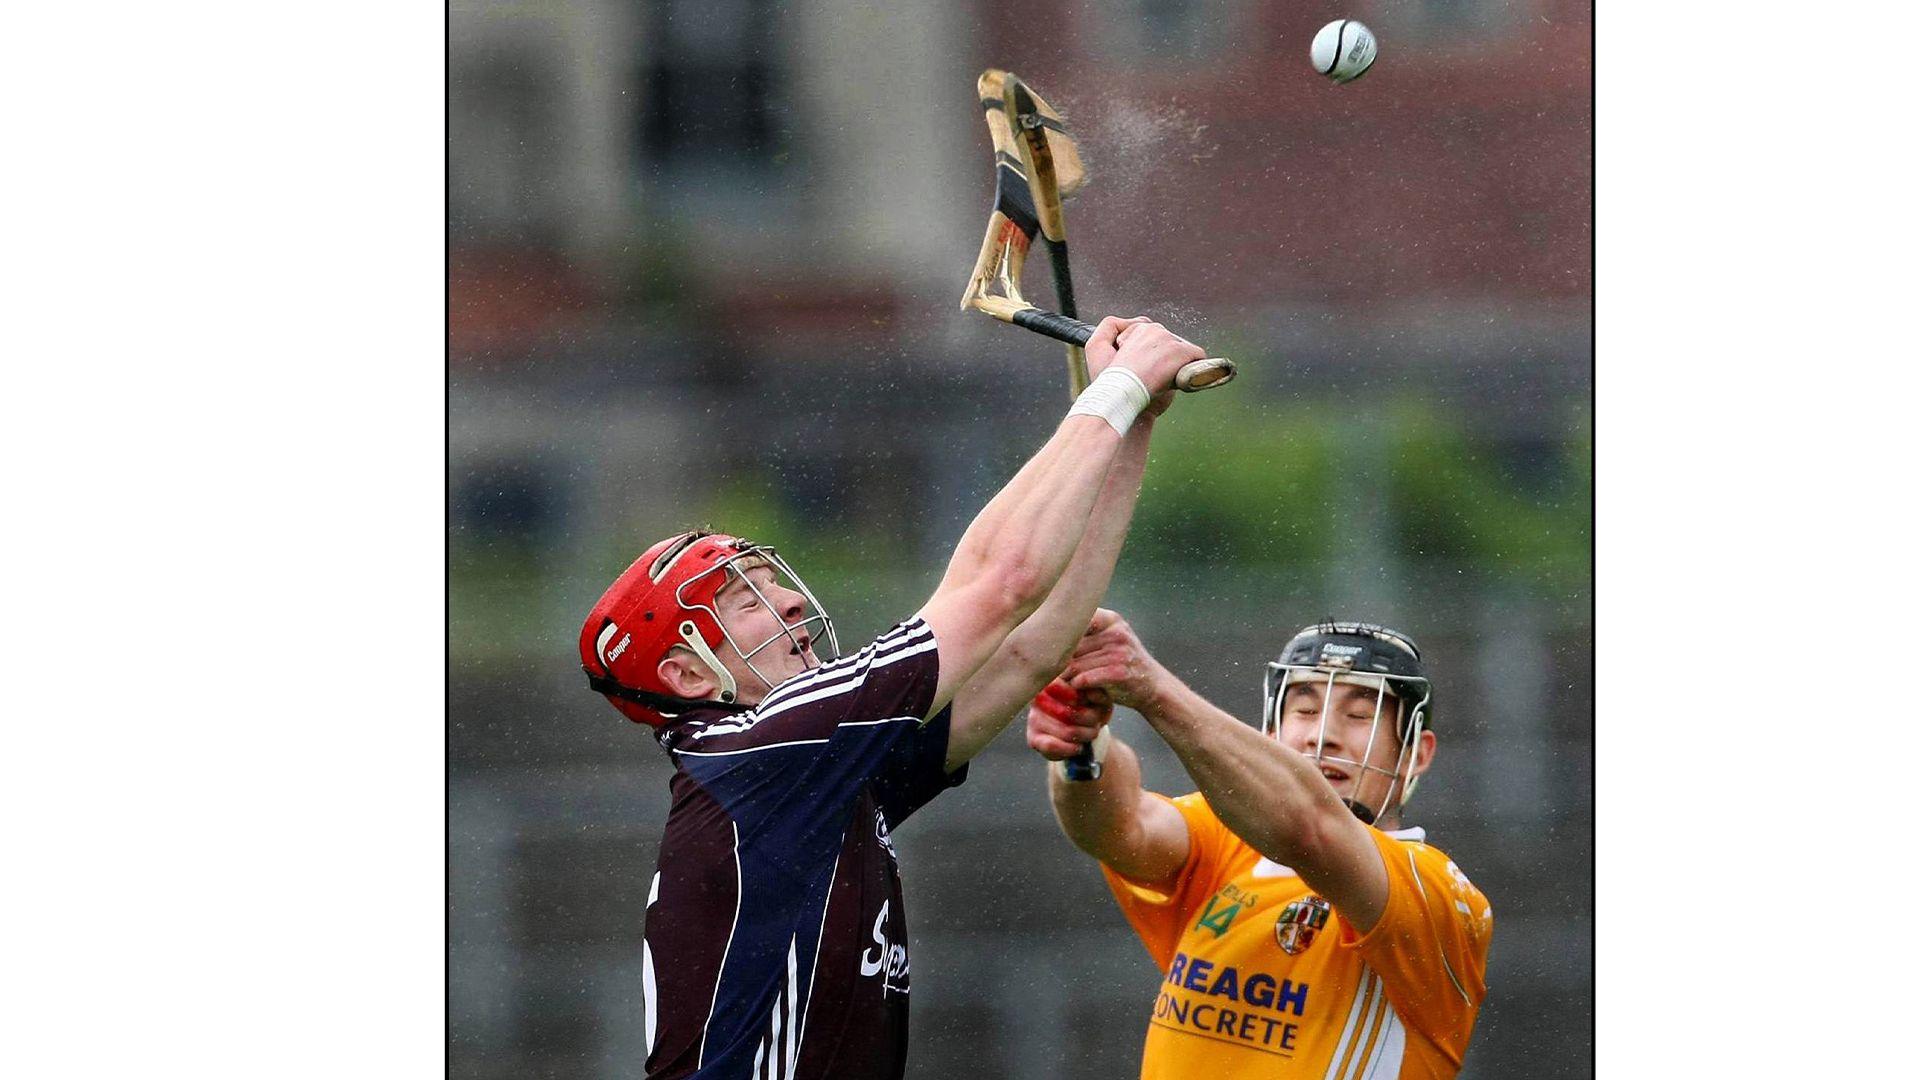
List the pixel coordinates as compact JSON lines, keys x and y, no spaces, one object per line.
{"x":776,"y":935}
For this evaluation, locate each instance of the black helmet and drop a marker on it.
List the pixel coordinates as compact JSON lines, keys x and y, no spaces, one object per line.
{"x":1363,"y":647}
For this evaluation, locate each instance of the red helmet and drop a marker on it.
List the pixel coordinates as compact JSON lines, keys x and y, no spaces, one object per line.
{"x":666,"y":598}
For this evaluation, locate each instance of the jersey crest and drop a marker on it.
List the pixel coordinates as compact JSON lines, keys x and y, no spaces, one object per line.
{"x":1299,"y":921}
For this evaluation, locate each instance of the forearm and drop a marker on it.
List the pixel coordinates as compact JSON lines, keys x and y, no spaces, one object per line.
{"x":1104,"y":817}
{"x":1045,"y":641}
{"x":1270,"y":796}
{"x":1041,"y":646}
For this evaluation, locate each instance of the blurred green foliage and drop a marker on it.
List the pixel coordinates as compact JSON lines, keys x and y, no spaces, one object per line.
{"x":1280,"y":491}
{"x":746,"y":504}
{"x":1285,"y":490}
{"x":1252,"y":498}
{"x":1523,"y":513}
{"x":495,"y":598}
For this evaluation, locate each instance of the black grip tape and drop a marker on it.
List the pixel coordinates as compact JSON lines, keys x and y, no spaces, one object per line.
{"x":1058,"y":327}
{"x":1062,"y":278}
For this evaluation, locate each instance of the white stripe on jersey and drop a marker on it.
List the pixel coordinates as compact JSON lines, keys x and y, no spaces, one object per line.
{"x":1361,"y":995}
{"x":747,"y":750}
{"x":1392,"y":1049}
{"x":820,"y":683}
{"x":835,"y":690}
{"x":1366,"y":1039}
{"x":793,"y":1000}
{"x":774,"y":1053}
{"x":817,"y":943}
{"x":739,"y":892}
{"x":845,"y":686}
{"x":797,"y":742}
{"x":649,"y":993}
{"x":774,"y":1069}
{"x":649,"y":986}
{"x":882,"y":648}
{"x":1448,"y":968}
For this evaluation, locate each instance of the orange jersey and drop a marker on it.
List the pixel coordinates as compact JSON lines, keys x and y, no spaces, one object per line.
{"x":1263,"y":978}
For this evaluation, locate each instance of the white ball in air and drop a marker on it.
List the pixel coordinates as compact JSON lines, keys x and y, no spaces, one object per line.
{"x":1343,"y":50}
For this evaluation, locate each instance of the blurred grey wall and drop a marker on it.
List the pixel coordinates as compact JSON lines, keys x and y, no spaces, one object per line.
{"x":705,"y":259}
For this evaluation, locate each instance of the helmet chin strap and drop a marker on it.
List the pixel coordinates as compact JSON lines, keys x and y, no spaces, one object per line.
{"x":1390,"y":804}
{"x":690,"y":634}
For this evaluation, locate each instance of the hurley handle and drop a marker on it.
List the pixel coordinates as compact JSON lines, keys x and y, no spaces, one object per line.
{"x":1081,"y":767}
{"x":1198,"y":375}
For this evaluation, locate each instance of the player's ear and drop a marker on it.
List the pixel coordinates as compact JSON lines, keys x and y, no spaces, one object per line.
{"x":686,"y":676}
{"x":1423,"y":753}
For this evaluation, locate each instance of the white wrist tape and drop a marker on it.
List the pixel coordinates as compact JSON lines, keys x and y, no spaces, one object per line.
{"x":1117,"y":396}
{"x":1099,"y":745}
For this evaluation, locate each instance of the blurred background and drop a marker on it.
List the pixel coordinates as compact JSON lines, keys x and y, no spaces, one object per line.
{"x":705,"y":262}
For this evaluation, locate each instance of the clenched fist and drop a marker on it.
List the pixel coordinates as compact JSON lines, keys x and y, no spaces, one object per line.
{"x":1062,"y":720}
{"x":1110,"y":658}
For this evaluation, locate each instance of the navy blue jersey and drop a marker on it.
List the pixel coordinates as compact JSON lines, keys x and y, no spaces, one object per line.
{"x":776,"y":939}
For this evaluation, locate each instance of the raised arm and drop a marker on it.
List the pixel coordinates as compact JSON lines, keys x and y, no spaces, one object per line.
{"x":1016,"y":550}
{"x":1041,"y":646}
{"x":1112,"y":818}
{"x":1270,"y":795}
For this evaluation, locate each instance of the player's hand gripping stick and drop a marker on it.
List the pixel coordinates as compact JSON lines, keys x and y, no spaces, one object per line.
{"x":1062,"y":702}
{"x":1198,"y":375}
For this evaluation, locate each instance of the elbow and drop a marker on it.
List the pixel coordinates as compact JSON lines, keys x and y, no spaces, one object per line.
{"x":1076,"y":831}
{"x":1108,"y":841}
{"x":1038,"y":665}
{"x":1020,"y":589}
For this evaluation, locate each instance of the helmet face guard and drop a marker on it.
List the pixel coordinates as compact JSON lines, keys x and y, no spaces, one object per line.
{"x":696,"y":595}
{"x":1357,"y":654}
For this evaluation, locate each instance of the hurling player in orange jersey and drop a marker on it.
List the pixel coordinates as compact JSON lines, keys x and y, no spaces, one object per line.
{"x":1300,"y":930}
